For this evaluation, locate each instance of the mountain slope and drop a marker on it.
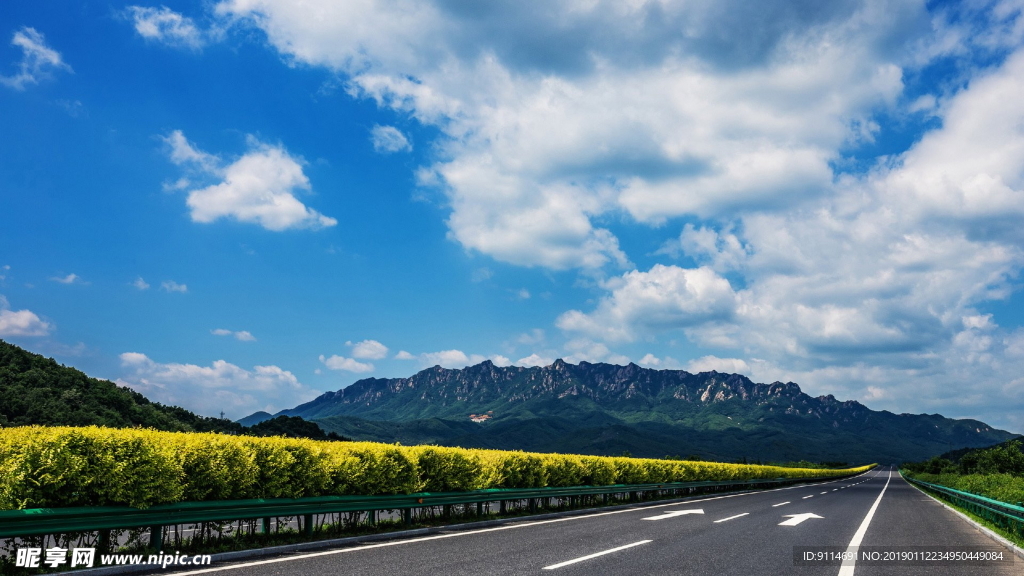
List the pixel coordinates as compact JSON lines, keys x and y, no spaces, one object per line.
{"x":38,"y":390}
{"x":605,"y":409}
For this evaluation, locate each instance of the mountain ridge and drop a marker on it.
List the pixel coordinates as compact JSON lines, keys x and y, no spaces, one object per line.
{"x":776,"y":419}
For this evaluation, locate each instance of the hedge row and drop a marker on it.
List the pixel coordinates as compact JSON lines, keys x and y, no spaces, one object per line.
{"x":50,"y":467}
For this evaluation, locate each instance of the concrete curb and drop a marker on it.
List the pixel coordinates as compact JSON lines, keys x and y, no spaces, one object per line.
{"x":1017,"y":550}
{"x":397,"y":535}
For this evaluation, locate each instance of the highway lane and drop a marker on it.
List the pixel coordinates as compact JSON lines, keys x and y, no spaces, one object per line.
{"x":743,"y":534}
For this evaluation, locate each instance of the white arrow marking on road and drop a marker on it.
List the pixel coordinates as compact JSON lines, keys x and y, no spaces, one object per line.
{"x":795,"y":519}
{"x":674,"y":513}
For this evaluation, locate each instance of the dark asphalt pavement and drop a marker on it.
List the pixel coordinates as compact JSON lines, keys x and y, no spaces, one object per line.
{"x":738,"y":534}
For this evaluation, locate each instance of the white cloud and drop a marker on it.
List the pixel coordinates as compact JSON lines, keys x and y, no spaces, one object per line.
{"x":172,"y":286}
{"x":388,"y":140}
{"x":184,"y":152}
{"x":534,"y":360}
{"x":650,"y":360}
{"x":523,"y":294}
{"x":368,"y":350}
{"x":241,"y":335}
{"x":140,"y":284}
{"x":37,"y":60}
{"x":167,"y":26}
{"x":584,"y":350}
{"x":336,"y":362}
{"x":500,"y":360}
{"x":727,"y":365}
{"x":663,"y":298}
{"x":259,"y":187}
{"x":481,"y":274}
{"x":74,"y":108}
{"x":531,"y":338}
{"x":450,"y":359}
{"x":21,"y":322}
{"x":69,"y":279}
{"x":210,"y":389}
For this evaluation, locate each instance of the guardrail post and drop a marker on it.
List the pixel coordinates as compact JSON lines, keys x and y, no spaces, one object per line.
{"x":407,"y":516}
{"x":479,"y":508}
{"x":104,"y":541}
{"x":371,"y":517}
{"x":502,"y":507}
{"x":307,"y":524}
{"x":533,"y":504}
{"x":266,"y":525}
{"x":156,"y":538}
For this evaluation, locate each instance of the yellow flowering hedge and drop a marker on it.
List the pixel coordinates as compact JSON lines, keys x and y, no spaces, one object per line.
{"x":52,"y":467}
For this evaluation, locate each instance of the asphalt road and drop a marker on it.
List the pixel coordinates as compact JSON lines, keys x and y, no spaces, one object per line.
{"x":743,"y":534}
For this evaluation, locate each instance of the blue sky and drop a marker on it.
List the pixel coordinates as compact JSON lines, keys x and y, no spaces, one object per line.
{"x":237,"y":205}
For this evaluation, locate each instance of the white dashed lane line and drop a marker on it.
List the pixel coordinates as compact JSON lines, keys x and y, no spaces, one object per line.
{"x":595,"y":555}
{"x":731,"y":517}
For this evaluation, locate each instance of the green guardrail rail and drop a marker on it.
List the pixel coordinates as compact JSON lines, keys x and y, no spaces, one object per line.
{"x":40,"y":521}
{"x":1002,"y":514}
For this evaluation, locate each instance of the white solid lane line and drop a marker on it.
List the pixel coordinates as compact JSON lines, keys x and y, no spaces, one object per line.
{"x":851,"y":550}
{"x":595,"y":555}
{"x":731,"y":517}
{"x":779,"y":504}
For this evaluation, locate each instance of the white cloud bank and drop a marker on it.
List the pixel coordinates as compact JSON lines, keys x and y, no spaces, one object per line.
{"x":259,"y":187}
{"x":557,"y":116}
{"x":211,"y":389}
{"x":38,"y":60}
{"x":21,"y":322}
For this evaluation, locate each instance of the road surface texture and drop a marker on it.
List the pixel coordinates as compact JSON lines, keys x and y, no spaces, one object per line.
{"x":742,"y":534}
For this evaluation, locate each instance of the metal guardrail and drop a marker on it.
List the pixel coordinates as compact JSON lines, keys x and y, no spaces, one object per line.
{"x":40,"y":521}
{"x":1002,"y":514}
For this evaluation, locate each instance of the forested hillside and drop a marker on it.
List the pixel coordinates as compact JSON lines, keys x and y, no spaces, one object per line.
{"x":37,"y":390}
